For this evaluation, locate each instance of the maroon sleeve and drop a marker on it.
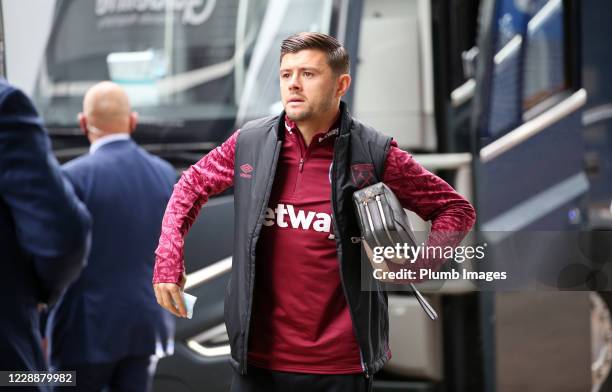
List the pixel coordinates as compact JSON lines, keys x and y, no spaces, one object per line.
{"x":431,"y":198}
{"x":211,"y":175}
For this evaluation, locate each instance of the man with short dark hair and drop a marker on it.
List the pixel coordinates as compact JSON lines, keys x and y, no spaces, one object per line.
{"x":108,"y":327}
{"x":296,"y":316}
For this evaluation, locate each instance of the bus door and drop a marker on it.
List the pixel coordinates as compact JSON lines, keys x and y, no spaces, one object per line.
{"x":530,"y":189}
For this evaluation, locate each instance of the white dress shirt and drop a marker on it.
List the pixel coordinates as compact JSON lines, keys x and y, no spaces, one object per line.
{"x":107,"y":139}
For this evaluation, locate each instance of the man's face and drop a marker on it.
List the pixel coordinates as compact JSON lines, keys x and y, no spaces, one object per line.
{"x":308,"y":85}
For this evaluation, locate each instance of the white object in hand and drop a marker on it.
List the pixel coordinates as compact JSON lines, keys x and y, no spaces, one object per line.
{"x":189,"y":301}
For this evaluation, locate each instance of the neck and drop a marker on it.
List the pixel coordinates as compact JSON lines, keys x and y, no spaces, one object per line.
{"x":94,"y":137}
{"x":322,"y":123}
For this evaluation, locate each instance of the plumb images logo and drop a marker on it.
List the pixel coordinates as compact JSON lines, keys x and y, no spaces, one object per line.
{"x":403,"y":262}
{"x":522,"y":260}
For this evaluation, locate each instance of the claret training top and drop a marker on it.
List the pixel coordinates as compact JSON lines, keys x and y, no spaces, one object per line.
{"x":300,"y":318}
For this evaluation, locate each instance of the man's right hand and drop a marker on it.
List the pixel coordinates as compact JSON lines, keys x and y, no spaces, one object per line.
{"x":170,"y":296}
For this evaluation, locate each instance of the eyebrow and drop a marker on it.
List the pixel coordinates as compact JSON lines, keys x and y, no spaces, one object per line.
{"x":300,"y":69}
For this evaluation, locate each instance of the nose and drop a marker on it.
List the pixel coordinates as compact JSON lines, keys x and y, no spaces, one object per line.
{"x":294,"y":82}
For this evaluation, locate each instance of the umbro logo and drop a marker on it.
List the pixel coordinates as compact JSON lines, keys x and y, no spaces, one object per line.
{"x":245,"y":170}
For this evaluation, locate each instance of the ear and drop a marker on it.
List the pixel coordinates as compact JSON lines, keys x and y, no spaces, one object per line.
{"x":344,"y":82}
{"x":133,"y":121}
{"x":82,"y":123}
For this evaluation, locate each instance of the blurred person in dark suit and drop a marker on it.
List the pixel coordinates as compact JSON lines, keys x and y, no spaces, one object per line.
{"x":44,"y":230}
{"x":108,"y":326}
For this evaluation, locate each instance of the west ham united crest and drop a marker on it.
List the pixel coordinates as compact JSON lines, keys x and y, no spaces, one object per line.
{"x":363,"y":174}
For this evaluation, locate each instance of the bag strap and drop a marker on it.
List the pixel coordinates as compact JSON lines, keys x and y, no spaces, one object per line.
{"x":424,"y":304}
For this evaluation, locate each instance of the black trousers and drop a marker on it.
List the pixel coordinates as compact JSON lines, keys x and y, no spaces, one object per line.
{"x":263,"y":380}
{"x":130,"y":374}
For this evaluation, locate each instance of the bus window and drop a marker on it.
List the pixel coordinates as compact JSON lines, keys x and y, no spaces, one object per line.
{"x":192,"y":48}
{"x":544,"y":70}
{"x":189,"y":66}
{"x":529,"y":62}
{"x":506,"y":112}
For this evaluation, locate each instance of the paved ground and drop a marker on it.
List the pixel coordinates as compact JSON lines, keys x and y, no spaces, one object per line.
{"x":543,"y":342}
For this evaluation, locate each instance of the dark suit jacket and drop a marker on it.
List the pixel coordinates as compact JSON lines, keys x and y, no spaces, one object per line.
{"x":43,"y":230}
{"x":110,"y":312}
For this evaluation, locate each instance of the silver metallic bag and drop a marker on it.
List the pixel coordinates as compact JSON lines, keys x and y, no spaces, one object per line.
{"x":383,"y":223}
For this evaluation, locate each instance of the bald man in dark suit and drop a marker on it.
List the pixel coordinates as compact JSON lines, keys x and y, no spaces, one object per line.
{"x":108,"y":327}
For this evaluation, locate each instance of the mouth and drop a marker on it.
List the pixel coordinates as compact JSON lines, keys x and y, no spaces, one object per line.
{"x":295,"y":100}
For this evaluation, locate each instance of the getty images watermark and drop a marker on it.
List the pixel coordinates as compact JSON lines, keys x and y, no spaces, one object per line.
{"x":500,"y":261}
{"x":388,"y":262}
